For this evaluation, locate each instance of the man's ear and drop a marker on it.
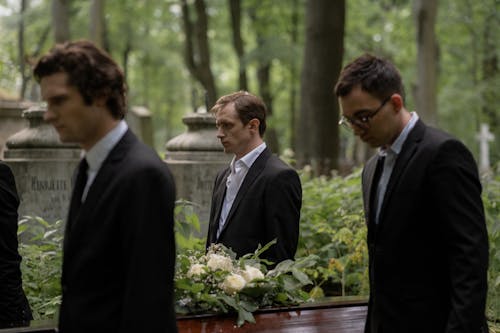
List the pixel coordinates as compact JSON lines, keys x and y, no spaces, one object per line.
{"x":397,"y":101}
{"x":254,"y":124}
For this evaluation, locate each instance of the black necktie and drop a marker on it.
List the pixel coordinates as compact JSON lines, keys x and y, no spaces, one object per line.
{"x":376,"y":179}
{"x":80,"y":182}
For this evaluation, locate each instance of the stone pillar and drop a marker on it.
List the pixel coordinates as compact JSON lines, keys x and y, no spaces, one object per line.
{"x":11,"y":120}
{"x":194,"y":158}
{"x":140,"y":121}
{"x":43,"y":168}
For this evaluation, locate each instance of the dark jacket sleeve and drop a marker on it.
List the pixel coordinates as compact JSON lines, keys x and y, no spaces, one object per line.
{"x":457,"y":192}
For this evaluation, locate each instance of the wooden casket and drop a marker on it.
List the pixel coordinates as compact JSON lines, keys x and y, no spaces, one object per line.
{"x":331,"y":315}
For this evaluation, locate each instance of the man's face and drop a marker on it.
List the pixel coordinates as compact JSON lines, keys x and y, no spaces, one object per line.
{"x":234,"y":136}
{"x":380,"y":129}
{"x":73,"y":120}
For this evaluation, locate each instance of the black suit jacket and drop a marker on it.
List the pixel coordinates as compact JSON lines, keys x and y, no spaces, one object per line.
{"x":14,"y":308}
{"x":266,"y":207}
{"x":119,"y":251}
{"x":429,"y":252}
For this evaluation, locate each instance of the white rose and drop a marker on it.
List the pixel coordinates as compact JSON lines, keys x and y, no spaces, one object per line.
{"x":216,"y":261}
{"x":251,"y":273}
{"x":196,"y":270}
{"x":233,"y":283}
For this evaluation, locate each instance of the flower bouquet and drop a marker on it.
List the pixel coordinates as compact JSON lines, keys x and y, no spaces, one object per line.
{"x":217,"y":282}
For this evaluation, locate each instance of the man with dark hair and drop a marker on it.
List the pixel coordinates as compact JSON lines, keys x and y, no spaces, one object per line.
{"x":119,"y":250}
{"x":427,"y":239}
{"x":14,"y":308}
{"x":258,"y":197}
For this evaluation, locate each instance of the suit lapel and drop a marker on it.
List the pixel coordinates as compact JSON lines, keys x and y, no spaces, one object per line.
{"x":250,"y":177}
{"x":218,"y":200}
{"x":102,"y":179}
{"x":368,"y":175}
{"x":407,"y":152}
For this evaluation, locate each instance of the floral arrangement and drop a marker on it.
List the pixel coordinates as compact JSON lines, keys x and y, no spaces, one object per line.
{"x":217,"y":282}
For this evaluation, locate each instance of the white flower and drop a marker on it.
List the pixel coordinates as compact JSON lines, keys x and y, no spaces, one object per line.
{"x":233,"y":283}
{"x":196,"y":270}
{"x":251,"y":273}
{"x":216,"y":261}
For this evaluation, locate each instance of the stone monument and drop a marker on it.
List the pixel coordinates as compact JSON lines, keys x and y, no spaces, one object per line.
{"x":43,"y":168}
{"x":140,"y":122}
{"x":11,"y":120}
{"x":194,"y":158}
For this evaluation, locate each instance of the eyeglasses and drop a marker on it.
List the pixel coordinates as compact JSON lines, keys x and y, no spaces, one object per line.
{"x":362,"y":118}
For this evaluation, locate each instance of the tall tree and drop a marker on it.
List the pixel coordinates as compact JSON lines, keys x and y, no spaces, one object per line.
{"x":294,"y":38}
{"x":21,"y":52}
{"x":490,"y":73}
{"x":427,"y":58}
{"x":238,"y":44}
{"x":197,"y":51}
{"x":263,"y":71}
{"x":317,"y":139}
{"x":60,"y":20}
{"x":97,"y":24}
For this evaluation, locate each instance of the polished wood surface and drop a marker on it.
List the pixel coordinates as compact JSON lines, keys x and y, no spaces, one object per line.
{"x":333,"y":316}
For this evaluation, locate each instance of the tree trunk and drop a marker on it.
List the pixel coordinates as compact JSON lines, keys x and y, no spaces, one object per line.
{"x":427,"y":57}
{"x":21,"y":51}
{"x":317,"y":140}
{"x":60,"y":20}
{"x":294,"y":37}
{"x":197,"y":54}
{"x":261,"y":28}
{"x":97,"y":28}
{"x":235,"y":8}
{"x":490,"y":74}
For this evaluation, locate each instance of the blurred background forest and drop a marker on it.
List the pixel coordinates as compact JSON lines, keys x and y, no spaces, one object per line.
{"x":179,"y":56}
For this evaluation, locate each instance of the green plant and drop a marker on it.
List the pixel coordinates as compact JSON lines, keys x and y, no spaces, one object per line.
{"x":491,"y":200}
{"x":41,"y":264}
{"x":187,"y":222}
{"x":332,"y":227}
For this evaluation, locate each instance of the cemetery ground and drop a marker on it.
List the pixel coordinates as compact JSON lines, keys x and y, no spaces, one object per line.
{"x":332,"y":236}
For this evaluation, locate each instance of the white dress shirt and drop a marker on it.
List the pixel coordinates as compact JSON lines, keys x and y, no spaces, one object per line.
{"x":391,"y":153}
{"x":98,"y":153}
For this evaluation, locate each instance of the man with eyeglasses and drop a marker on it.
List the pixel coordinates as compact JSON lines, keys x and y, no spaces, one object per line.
{"x":427,"y":239}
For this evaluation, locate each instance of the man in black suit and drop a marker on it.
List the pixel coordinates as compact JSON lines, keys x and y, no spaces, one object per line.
{"x":119,"y":251}
{"x":427,"y":239}
{"x":258,"y":197}
{"x":14,"y":307}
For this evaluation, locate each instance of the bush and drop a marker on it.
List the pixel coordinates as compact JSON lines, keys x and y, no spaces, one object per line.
{"x":41,"y":265}
{"x":332,"y":226}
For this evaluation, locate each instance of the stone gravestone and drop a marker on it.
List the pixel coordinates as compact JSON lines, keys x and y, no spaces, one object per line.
{"x":194,"y":158}
{"x":43,"y":168}
{"x":11,"y":120}
{"x":484,"y":137}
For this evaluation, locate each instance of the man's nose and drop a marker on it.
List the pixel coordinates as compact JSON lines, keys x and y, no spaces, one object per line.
{"x":49,"y":115}
{"x":220,"y":133}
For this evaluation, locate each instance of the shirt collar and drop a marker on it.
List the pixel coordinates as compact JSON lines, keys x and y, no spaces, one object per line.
{"x":249,"y":158}
{"x":98,"y":153}
{"x":397,"y":145}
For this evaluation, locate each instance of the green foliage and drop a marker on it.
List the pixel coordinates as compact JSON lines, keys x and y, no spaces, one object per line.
{"x":332,"y":227}
{"x":41,"y":265}
{"x":187,"y":222}
{"x":491,"y":200}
